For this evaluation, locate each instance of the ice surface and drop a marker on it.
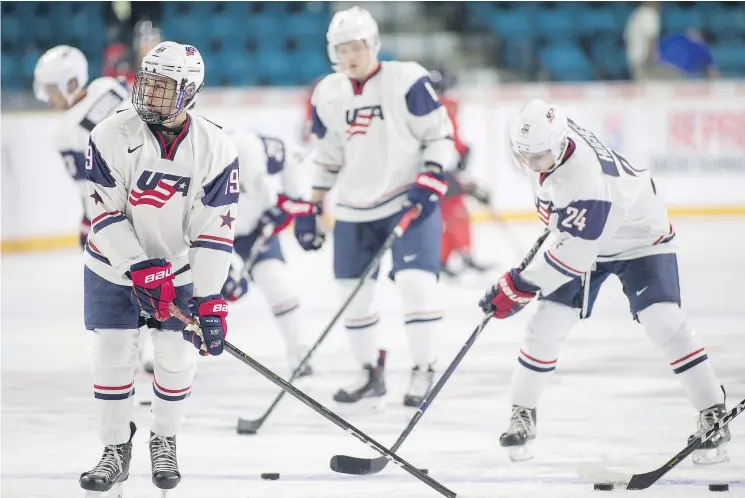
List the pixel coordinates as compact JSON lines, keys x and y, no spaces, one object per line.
{"x":614,"y":399}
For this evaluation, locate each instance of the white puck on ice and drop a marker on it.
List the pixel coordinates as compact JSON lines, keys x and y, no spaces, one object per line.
{"x":719,"y":487}
{"x":603,"y":486}
{"x":270,"y":476}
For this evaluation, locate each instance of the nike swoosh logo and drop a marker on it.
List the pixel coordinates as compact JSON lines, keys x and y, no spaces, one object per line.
{"x":409,"y":258}
{"x":132,"y":150}
{"x":639,"y":292}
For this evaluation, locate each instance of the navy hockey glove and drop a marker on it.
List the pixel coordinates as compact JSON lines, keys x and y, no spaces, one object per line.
{"x":505,"y":299}
{"x":85,"y":227}
{"x":308,"y":231}
{"x":426,"y":192}
{"x":211,"y":312}
{"x":152,"y":287}
{"x":234,"y":286}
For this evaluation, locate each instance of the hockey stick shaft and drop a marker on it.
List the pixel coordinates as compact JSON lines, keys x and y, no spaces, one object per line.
{"x":255,"y":252}
{"x":318,"y":407}
{"x":352,"y":465}
{"x":251,"y":426}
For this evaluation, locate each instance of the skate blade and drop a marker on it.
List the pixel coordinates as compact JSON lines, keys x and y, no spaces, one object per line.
{"x":711,"y":456}
{"x":520,"y":453}
{"x":116,"y":491}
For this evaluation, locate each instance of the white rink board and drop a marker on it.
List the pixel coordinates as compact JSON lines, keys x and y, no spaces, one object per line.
{"x":614,"y":398}
{"x":691,"y":135}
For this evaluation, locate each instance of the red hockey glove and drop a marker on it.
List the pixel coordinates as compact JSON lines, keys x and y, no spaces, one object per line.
{"x":504,"y":299}
{"x":152,"y":287}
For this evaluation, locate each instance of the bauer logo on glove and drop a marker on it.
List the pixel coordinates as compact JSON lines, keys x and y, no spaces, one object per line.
{"x":505,"y":299}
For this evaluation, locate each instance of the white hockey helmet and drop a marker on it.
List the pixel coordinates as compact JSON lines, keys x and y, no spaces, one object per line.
{"x":539,"y":136}
{"x":59,"y":66}
{"x":352,"y":24}
{"x":168,"y":82}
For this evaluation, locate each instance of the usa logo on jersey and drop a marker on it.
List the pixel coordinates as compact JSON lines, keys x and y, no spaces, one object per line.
{"x":361,"y":118}
{"x":155,"y":189}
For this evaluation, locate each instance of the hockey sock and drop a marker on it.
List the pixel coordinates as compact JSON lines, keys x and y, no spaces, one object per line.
{"x":546,"y":330}
{"x":273,"y":277}
{"x":175,"y":366}
{"x":422,"y":313}
{"x":115,"y":353}
{"x":361,"y":320}
{"x":668,"y":329}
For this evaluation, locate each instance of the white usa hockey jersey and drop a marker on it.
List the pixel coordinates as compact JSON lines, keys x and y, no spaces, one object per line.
{"x":372,"y":138}
{"x":104,"y":97}
{"x":149,"y":200}
{"x":268,"y":167}
{"x":599,"y":207}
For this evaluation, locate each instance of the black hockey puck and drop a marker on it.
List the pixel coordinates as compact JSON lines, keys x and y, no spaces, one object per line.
{"x":603,"y":486}
{"x":146,"y":402}
{"x":424,"y":471}
{"x":718,"y":487}
{"x":270,"y":476}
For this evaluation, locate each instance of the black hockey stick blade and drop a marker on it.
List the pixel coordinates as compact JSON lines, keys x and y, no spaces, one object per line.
{"x":246,"y":426}
{"x":594,"y":473}
{"x":345,"y":464}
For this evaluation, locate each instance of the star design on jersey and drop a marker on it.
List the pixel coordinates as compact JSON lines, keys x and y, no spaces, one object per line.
{"x":227,"y":220}
{"x":96,"y":198}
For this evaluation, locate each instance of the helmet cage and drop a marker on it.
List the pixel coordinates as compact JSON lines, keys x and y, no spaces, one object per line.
{"x":153,"y":102}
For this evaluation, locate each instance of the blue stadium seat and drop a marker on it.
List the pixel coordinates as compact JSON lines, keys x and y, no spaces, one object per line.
{"x":603,"y":21}
{"x":11,"y":29}
{"x":559,"y":25}
{"x":566,"y":62}
{"x":11,"y":72}
{"x":729,"y":59}
{"x":725,"y":24}
{"x":512,"y":25}
{"x":676,"y":19}
{"x":312,"y":64}
{"x":519,"y":56}
{"x":608,"y":57}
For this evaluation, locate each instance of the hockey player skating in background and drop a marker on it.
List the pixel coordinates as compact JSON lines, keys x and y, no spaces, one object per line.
{"x":60,"y":79}
{"x":456,"y":225}
{"x":163,"y":188}
{"x":381,"y":139}
{"x":606,"y":218}
{"x":263,"y":160}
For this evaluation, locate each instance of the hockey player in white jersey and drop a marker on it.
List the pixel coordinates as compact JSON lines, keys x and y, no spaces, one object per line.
{"x":163,"y":188}
{"x":271,"y":186}
{"x":60,"y":79}
{"x":381,"y":139}
{"x":605,"y":218}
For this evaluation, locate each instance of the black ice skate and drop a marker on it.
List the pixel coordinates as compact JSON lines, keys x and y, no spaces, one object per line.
{"x":163,"y":460}
{"x":520,"y":434}
{"x":478,"y":267}
{"x":422,"y":378}
{"x":715,"y":449}
{"x":370,"y":386}
{"x":111,"y":472}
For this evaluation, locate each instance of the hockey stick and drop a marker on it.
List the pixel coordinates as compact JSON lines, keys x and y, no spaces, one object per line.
{"x":253,"y":255}
{"x":365,"y":466}
{"x":317,"y":407}
{"x":246,"y":426}
{"x":594,"y":473}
